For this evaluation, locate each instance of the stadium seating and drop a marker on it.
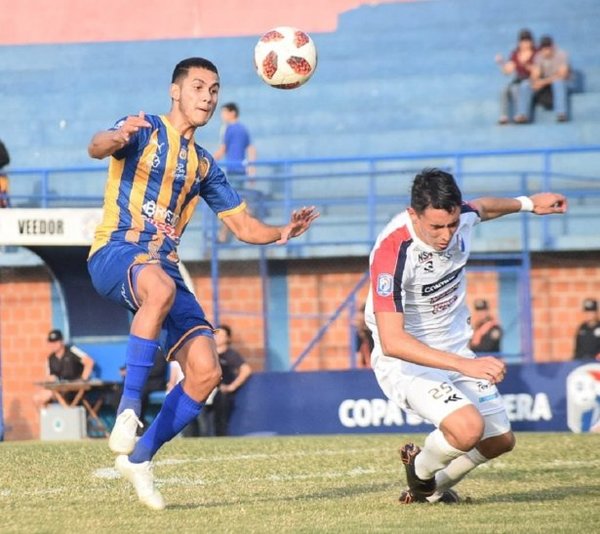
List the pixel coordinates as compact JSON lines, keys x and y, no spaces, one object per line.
{"x":393,"y":78}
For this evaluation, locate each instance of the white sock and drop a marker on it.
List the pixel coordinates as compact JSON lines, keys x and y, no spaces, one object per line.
{"x":436,"y":454}
{"x":456,"y":470}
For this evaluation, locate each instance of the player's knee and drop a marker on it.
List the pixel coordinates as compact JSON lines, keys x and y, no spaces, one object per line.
{"x":202,"y":375}
{"x":464,"y":428}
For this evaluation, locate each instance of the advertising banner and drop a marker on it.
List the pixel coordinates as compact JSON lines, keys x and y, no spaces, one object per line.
{"x":538,"y":397}
{"x":48,"y":227}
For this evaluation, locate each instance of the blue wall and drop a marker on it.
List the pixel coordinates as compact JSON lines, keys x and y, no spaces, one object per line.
{"x":392,"y":78}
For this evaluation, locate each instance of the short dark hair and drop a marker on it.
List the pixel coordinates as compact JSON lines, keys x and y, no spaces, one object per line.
{"x":434,"y":188}
{"x":525,"y":35}
{"x":546,"y":41}
{"x":226,"y":328}
{"x":232,"y":106}
{"x":182,"y":68}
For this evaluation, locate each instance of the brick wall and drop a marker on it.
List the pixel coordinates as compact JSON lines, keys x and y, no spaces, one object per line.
{"x":25,"y":319}
{"x":316,"y":288}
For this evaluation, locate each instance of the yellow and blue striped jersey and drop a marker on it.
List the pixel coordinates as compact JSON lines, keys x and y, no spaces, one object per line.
{"x":154,"y":184}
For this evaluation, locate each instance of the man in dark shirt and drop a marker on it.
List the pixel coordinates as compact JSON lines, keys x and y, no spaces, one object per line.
{"x":235,"y":372}
{"x":587,"y":339}
{"x":65,"y":362}
{"x":487,"y":333}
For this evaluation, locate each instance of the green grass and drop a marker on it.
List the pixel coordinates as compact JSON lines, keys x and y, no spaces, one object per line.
{"x":350,"y":483}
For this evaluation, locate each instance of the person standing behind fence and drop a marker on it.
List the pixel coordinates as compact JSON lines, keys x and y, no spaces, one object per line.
{"x":516,"y":96}
{"x":487,"y":332}
{"x":4,"y":161}
{"x":236,"y":147}
{"x":214,"y":421}
{"x":587,"y":338}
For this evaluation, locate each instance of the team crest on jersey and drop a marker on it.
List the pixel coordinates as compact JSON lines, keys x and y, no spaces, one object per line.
{"x":183,"y":154}
{"x":203,"y":166}
{"x":385,"y":285}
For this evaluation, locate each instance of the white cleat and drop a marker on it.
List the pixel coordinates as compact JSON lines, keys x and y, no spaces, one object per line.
{"x":123,"y":436}
{"x":140,"y":475}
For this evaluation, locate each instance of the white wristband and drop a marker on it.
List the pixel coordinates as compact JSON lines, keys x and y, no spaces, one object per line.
{"x":526,"y":203}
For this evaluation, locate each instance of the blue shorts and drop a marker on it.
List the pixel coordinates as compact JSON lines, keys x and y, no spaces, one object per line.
{"x":114,"y":269}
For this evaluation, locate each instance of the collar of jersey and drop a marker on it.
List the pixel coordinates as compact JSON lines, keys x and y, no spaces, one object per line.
{"x":169,"y":126}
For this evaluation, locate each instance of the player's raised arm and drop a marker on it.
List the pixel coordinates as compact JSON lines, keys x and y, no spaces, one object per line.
{"x":107,"y":142}
{"x":252,"y":230}
{"x":539,"y":203}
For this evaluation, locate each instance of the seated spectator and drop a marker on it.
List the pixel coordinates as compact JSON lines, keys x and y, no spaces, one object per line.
{"x":549,"y":78}
{"x":65,"y":362}
{"x":487,"y":333}
{"x":4,"y":160}
{"x":516,"y":96}
{"x":587,"y":338}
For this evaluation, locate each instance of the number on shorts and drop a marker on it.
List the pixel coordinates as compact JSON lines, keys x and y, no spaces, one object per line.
{"x":439,"y":392}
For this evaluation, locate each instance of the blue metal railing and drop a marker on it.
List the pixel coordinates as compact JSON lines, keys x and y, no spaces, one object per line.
{"x":358,"y":195}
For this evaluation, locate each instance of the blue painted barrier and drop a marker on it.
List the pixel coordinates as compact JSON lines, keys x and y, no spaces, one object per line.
{"x":341,"y":402}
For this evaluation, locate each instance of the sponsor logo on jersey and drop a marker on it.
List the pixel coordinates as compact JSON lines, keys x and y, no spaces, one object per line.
{"x":437,"y":298}
{"x":428,"y":289}
{"x":442,"y":306}
{"x":385,"y":284}
{"x":424,"y":256}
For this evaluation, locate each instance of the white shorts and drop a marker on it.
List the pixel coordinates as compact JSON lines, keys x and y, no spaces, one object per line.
{"x":435,"y":394}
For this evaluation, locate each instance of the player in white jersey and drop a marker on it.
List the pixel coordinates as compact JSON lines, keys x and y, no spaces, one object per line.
{"x":421,"y":328}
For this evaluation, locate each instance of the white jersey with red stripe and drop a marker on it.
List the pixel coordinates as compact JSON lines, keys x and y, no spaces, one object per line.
{"x":427,"y":286}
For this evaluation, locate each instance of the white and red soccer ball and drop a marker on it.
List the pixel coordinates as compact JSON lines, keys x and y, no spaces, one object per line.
{"x":285,"y":57}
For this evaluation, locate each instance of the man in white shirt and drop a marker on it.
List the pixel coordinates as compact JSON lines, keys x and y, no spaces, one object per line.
{"x":417,"y":312}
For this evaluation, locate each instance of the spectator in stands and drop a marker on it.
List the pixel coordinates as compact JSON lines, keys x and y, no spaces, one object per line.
{"x":549,"y":78}
{"x":515,"y":98}
{"x":237,"y":150}
{"x":587,"y":339}
{"x":133,"y":260}
{"x":214,"y":419}
{"x":487,"y":333}
{"x":236,"y":146}
{"x":65,"y":362}
{"x":4,"y":161}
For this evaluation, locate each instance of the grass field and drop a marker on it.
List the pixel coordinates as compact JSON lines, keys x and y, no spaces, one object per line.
{"x":350,"y":483}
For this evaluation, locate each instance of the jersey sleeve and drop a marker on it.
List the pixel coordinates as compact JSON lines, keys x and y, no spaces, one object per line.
{"x":135,"y":140}
{"x":216,"y":190}
{"x":469,"y":212}
{"x":388,"y":263}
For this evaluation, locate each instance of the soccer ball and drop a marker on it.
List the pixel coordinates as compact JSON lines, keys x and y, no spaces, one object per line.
{"x":285,"y":57}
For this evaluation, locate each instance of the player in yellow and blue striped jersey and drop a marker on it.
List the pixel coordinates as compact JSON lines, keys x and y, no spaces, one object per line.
{"x":157,"y":175}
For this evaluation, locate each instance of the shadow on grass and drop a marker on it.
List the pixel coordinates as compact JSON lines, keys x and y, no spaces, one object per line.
{"x":557,"y":493}
{"x":333,"y":493}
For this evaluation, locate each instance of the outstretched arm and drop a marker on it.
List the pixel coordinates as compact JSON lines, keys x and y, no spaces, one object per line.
{"x":107,"y":142}
{"x":249,"y":229}
{"x":539,"y":203}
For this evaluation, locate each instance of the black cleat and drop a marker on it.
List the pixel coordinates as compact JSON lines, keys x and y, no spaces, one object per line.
{"x":418,"y":487}
{"x":448,"y":497}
